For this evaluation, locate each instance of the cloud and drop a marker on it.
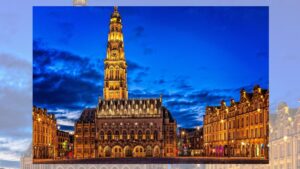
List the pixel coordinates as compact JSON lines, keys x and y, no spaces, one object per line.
{"x":15,"y":95}
{"x":63,"y":79}
{"x":64,"y":83}
{"x":11,"y":62}
{"x":187,"y":106}
{"x":181,"y":83}
{"x":58,"y":91}
{"x":133,"y":66}
{"x":15,"y":104}
{"x":64,"y":114}
{"x":139,"y":77}
{"x":14,"y":73}
{"x":136,"y":72}
{"x":11,"y":149}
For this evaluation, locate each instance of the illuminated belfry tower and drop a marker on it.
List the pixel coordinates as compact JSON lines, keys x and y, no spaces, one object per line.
{"x":115,"y":67}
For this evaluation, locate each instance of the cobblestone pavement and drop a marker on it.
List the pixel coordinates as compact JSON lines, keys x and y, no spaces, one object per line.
{"x":175,"y":160}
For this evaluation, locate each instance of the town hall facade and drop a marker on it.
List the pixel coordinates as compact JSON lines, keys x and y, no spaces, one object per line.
{"x":120,"y":126}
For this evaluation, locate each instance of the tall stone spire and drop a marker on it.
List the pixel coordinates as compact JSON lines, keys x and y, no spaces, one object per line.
{"x":115,"y":76}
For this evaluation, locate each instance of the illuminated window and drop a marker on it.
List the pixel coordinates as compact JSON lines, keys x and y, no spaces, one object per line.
{"x":148,"y":135}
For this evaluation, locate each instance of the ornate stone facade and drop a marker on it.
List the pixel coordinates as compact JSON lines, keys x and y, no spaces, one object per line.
{"x":85,"y":135}
{"x":240,"y":129}
{"x":44,"y":143}
{"x":115,"y":71}
{"x":123,"y":127}
{"x":135,"y":128}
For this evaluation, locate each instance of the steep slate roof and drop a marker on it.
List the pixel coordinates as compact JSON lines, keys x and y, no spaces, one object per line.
{"x":88,"y":115}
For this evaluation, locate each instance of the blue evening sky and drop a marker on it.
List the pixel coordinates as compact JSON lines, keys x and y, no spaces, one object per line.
{"x":193,"y":56}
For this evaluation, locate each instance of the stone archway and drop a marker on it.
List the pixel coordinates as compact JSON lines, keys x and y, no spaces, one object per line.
{"x":156,"y":151}
{"x":117,"y":152}
{"x":148,"y":151}
{"x":107,"y":151}
{"x":127,"y":151}
{"x":100,"y":151}
{"x":138,"y":151}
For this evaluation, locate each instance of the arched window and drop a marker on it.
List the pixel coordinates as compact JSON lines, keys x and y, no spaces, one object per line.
{"x":111,"y":72}
{"x":124,"y":135}
{"x":140,"y":135}
{"x":147,"y":135}
{"x":132,"y":135}
{"x":155,"y":135}
{"x":109,"y":135}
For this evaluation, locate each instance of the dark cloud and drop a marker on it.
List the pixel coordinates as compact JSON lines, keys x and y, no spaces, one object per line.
{"x":136,"y":72}
{"x":188,"y":118}
{"x":187,"y":107}
{"x":208,"y":97}
{"x":133,"y":66}
{"x":139,"y":77}
{"x":69,"y":92}
{"x":181,"y":83}
{"x":62,"y":80}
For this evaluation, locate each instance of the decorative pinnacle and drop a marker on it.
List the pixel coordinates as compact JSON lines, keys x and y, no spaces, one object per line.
{"x":115,"y":8}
